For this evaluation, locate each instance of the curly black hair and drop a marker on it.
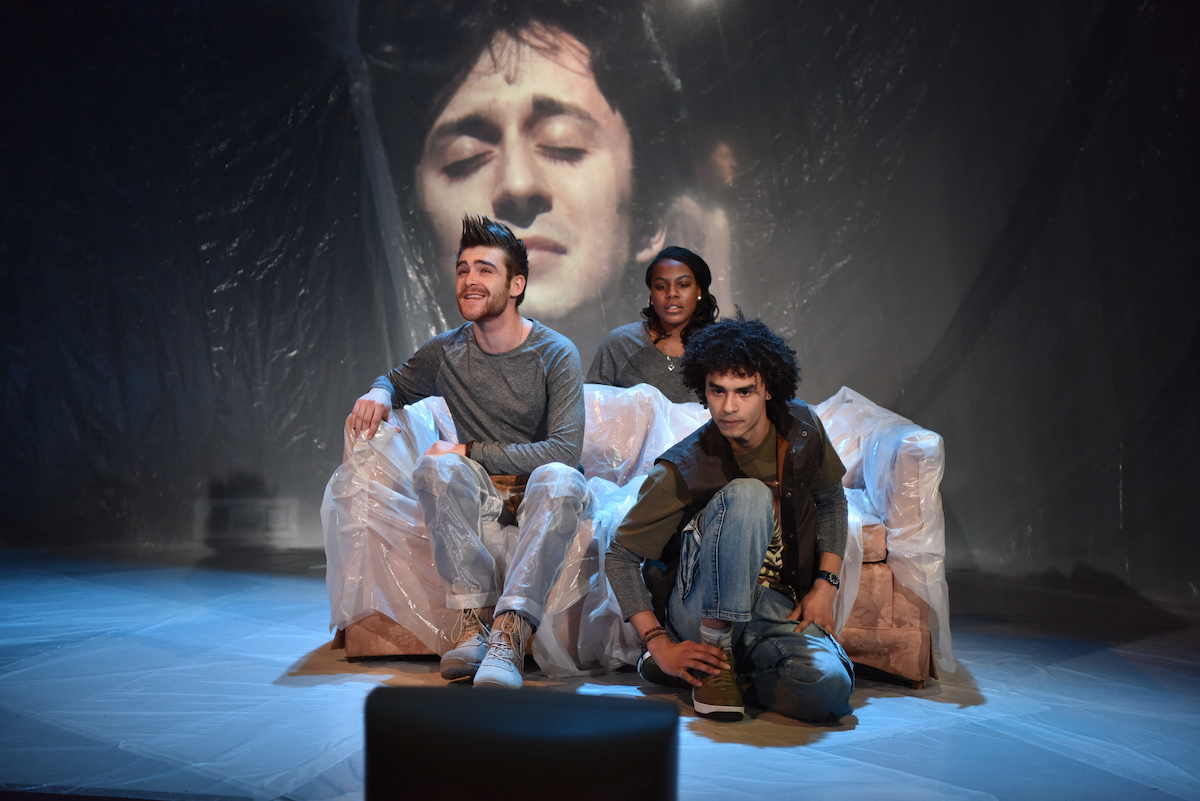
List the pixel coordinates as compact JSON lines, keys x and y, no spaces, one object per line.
{"x":743,"y":347}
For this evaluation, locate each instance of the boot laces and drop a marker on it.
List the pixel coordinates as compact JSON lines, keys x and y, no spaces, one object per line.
{"x":726,"y":679}
{"x":508,"y":637}
{"x":470,"y":624}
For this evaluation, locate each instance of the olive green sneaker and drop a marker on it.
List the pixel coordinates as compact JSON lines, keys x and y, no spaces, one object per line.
{"x":718,"y":697}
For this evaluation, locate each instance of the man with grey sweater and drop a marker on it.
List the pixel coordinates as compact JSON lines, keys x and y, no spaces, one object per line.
{"x":515,"y":390}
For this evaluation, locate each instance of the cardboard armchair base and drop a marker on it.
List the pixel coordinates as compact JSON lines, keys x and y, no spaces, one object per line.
{"x":379,"y":635}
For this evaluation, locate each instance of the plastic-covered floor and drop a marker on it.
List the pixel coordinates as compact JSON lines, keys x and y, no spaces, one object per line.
{"x":144,"y":681}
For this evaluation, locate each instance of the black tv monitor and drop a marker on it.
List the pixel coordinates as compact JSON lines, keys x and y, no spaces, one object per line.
{"x":463,"y":742}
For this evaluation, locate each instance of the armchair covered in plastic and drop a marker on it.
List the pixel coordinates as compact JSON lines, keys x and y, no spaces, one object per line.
{"x":386,"y":598}
{"x":897,"y":540}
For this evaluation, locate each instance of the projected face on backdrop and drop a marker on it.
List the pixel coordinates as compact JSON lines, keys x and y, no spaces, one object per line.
{"x":530,"y":140}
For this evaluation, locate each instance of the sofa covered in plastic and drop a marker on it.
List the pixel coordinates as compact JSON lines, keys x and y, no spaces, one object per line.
{"x":386,"y":598}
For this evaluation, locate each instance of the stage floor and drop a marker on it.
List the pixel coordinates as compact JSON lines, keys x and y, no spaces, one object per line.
{"x":188,"y":678}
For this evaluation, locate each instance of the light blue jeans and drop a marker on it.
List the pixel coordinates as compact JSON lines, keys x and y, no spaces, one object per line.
{"x":459,"y":503}
{"x":804,"y":675}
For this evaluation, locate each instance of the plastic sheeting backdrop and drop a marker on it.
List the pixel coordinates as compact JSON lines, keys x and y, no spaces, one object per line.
{"x":218,"y":227}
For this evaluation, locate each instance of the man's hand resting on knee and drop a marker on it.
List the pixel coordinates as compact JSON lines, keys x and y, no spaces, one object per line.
{"x":369,"y":410}
{"x":816,"y":607}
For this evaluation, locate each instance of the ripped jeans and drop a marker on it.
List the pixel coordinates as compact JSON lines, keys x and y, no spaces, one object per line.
{"x":480,"y":560}
{"x":804,"y":675}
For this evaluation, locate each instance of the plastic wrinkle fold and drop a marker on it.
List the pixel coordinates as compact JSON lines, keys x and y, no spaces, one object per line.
{"x":843,"y":602}
{"x":377,"y":552}
{"x":894,"y":472}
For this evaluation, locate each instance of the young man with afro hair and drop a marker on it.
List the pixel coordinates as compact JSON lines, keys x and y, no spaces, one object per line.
{"x":744,"y":525}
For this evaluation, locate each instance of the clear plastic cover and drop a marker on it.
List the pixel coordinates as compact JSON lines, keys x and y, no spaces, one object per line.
{"x":843,"y":602}
{"x":379,"y":557}
{"x":378,"y":551}
{"x":893,"y":471}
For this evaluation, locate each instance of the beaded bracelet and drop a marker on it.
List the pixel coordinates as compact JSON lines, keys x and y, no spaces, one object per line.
{"x":651,"y":634}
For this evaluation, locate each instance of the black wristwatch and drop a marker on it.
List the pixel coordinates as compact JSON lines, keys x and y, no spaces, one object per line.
{"x":832,"y":578}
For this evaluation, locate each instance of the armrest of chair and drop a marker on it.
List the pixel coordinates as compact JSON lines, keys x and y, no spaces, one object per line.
{"x":376,"y":552}
{"x":902,"y":471}
{"x":895,"y":462}
{"x":417,"y":425}
{"x":628,"y":428}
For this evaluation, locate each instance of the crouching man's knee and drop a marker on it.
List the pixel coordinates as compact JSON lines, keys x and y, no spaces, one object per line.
{"x":815,"y":691}
{"x":748,"y":495}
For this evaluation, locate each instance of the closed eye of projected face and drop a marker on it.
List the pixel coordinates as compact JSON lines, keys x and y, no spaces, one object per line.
{"x":528,"y":139}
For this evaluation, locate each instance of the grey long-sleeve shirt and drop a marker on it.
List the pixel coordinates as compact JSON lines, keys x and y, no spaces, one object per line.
{"x":628,"y":357}
{"x":523,"y":408}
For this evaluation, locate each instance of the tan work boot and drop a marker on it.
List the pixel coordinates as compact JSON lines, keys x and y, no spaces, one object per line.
{"x":505,"y":652}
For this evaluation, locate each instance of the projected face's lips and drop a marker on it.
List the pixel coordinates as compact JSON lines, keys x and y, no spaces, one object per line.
{"x":546,"y":258}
